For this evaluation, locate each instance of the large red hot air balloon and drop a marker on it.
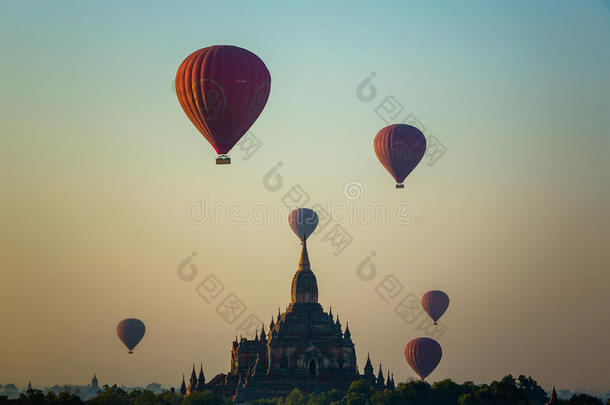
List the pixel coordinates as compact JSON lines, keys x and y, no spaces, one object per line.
{"x":130,"y":331}
{"x":223,"y":89}
{"x":303,"y":222}
{"x":423,"y":355}
{"x":399,"y":148}
{"x":435,"y":304}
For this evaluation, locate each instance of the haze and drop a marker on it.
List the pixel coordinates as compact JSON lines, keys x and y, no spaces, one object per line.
{"x":101,"y":166}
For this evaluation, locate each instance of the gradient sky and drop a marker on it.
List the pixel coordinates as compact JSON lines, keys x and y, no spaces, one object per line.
{"x":100,"y":165}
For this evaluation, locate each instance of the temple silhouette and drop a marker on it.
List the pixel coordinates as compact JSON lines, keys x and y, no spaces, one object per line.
{"x":305,"y":348}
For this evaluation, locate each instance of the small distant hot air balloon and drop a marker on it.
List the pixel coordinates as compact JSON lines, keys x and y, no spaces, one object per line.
{"x":130,"y":331}
{"x":423,"y":355}
{"x":435,"y":304}
{"x":303,"y":222}
{"x":399,"y":148}
{"x":223,"y":89}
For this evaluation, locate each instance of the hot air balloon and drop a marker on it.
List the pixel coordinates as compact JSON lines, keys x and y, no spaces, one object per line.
{"x":423,"y":355}
{"x":303,"y":222}
{"x":223,"y":89}
{"x":399,"y":148}
{"x":130,"y":331}
{"x":435,"y":304}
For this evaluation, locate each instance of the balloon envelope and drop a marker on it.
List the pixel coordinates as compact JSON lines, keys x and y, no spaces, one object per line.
{"x":223,"y":89}
{"x":435,"y":304}
{"x":399,"y":148}
{"x":130,"y":331}
{"x":423,"y":355}
{"x":303,"y":222}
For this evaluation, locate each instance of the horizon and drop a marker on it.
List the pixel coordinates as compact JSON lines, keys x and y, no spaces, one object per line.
{"x":111,"y":189}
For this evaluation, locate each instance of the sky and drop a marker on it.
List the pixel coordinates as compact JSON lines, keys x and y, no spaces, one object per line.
{"x":108,"y":189}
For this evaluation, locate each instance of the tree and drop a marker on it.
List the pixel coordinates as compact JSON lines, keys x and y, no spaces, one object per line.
{"x":447,"y":392}
{"x":34,"y":397}
{"x":274,"y":401}
{"x":328,"y":397}
{"x":532,"y":391}
{"x":202,"y":398}
{"x":294,"y":398}
{"x":148,"y":398}
{"x":583,"y":399}
{"x":359,"y":393}
{"x":110,"y":396}
{"x":66,"y":398}
{"x":416,"y":392}
{"x":170,"y":398}
{"x":154,"y":387}
{"x":504,"y":392}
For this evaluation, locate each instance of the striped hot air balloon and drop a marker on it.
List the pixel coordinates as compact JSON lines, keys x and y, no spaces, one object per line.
{"x":399,"y":148}
{"x":435,"y":303}
{"x":130,"y":331}
{"x":423,"y":355}
{"x":223,"y":89}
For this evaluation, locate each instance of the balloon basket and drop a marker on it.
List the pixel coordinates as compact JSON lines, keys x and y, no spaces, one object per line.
{"x":223,"y":160}
{"x":400,"y":185}
{"x":130,"y":352}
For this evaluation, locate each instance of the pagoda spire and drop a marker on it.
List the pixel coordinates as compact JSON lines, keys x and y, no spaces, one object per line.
{"x":304,"y":260}
{"x":201,"y":379}
{"x":553,"y":400}
{"x":193,"y":379}
{"x":369,"y":373}
{"x":380,"y":381}
{"x":183,"y":387}
{"x":347,"y":334}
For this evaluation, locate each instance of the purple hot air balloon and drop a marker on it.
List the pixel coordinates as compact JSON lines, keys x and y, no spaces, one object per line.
{"x":435,"y":304}
{"x":399,"y":148}
{"x":130,"y":331}
{"x":423,"y":355}
{"x":303,"y":222}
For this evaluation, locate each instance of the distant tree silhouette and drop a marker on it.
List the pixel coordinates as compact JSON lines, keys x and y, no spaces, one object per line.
{"x":583,"y":399}
{"x":154,"y":387}
{"x":508,"y":391}
{"x":532,"y":391}
{"x":111,"y":396}
{"x":504,"y":392}
{"x":447,"y":392}
{"x":202,"y":398}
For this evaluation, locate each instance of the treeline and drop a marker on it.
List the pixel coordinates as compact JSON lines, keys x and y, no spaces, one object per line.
{"x":508,"y":391}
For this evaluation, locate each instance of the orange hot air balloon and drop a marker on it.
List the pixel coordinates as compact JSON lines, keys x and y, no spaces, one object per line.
{"x":435,"y":303}
{"x":223,"y":89}
{"x":130,"y":331}
{"x":423,"y":355}
{"x":399,"y":148}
